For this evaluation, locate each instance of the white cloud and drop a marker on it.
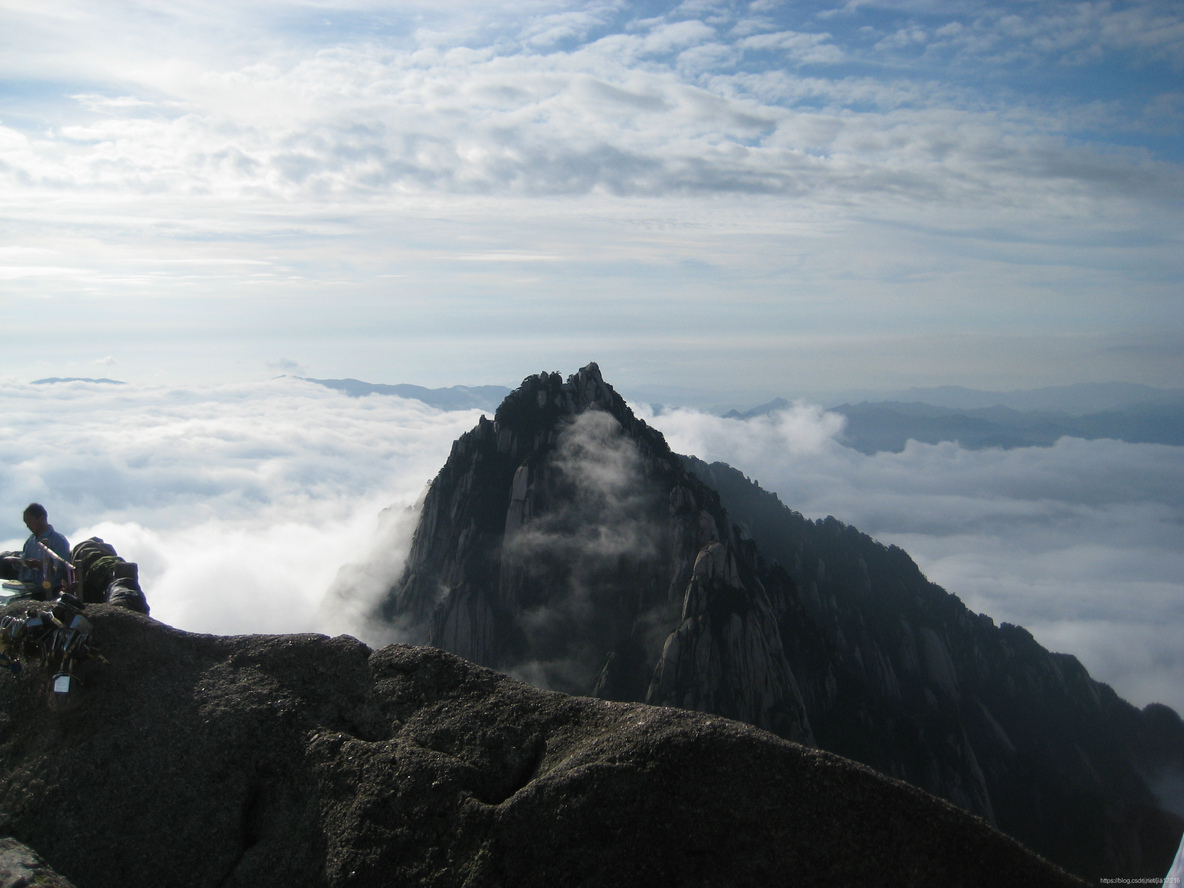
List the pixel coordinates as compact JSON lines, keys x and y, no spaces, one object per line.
{"x":360,"y":120}
{"x":240,"y":503}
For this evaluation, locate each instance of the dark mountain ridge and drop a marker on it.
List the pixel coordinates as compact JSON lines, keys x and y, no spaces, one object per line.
{"x":565,"y":543}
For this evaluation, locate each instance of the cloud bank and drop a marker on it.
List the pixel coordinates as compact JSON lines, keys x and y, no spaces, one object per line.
{"x":240,"y":503}
{"x":246,"y":504}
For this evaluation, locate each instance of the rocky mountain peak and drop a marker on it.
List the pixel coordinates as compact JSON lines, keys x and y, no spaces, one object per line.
{"x":530,"y":416}
{"x":560,"y":542}
{"x":564,"y":543}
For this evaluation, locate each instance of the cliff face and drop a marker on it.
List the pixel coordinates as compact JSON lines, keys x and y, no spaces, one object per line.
{"x":564,"y":543}
{"x":200,"y":761}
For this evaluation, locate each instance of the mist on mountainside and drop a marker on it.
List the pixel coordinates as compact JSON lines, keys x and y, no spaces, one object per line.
{"x":273,"y":487}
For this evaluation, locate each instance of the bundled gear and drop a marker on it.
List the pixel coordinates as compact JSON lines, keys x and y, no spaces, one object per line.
{"x":104,"y":577}
{"x":59,"y":638}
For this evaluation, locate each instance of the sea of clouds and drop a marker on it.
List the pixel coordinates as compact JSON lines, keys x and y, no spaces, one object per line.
{"x":240,"y":503}
{"x":253,"y":507}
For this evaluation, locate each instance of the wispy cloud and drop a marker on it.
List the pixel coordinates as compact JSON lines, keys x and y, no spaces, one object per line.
{"x":921,"y":169}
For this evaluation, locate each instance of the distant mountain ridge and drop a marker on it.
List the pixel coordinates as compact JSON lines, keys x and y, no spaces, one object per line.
{"x":565,"y":543}
{"x":52,"y":379}
{"x":874,"y":426}
{"x":889,"y":425}
{"x":1074,"y":400}
{"x":456,"y":397}
{"x":974,"y":418}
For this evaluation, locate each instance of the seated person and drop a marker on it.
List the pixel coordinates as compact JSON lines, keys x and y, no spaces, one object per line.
{"x":41,"y":575}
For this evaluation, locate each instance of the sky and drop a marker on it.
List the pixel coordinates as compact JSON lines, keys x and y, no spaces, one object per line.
{"x":744,"y":198}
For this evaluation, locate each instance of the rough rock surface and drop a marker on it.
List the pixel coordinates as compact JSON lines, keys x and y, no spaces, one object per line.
{"x":195,"y":760}
{"x":564,"y":543}
{"x":22,"y":867}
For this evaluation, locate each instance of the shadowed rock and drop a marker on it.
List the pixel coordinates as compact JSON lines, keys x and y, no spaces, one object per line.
{"x":565,"y":544}
{"x":198,"y":760}
{"x":22,"y":867}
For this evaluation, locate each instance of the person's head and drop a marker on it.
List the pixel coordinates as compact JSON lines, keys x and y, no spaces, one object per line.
{"x":36,"y":518}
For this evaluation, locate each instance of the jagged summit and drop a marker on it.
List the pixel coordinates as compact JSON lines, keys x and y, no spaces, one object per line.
{"x":561,"y":543}
{"x":564,"y":543}
{"x":540,"y":404}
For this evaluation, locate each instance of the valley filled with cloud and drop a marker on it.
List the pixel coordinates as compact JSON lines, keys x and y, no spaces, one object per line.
{"x":243,"y":503}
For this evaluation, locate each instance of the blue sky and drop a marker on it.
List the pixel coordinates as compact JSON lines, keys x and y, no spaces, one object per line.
{"x":754,"y":198}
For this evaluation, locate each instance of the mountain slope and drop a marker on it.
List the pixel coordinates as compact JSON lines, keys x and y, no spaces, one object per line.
{"x":564,"y":543}
{"x":911,"y":682}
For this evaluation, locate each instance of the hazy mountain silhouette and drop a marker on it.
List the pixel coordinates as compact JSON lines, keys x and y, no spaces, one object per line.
{"x":1071,"y":400}
{"x":874,"y":426}
{"x":457,"y":397}
{"x":52,"y":379}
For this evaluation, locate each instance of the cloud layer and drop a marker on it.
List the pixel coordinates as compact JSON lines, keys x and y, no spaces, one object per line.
{"x":240,"y":503}
{"x":983,"y":190}
{"x":246,"y":504}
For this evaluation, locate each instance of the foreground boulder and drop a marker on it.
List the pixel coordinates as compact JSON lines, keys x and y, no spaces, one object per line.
{"x":198,"y":760}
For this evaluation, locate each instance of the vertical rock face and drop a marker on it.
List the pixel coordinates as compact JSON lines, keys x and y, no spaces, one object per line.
{"x":726,"y":655}
{"x":565,"y":544}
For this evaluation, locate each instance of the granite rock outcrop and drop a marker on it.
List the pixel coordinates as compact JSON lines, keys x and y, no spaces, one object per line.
{"x":563,"y":542}
{"x":202,"y":761}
